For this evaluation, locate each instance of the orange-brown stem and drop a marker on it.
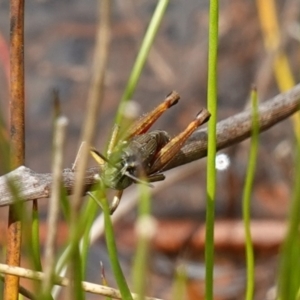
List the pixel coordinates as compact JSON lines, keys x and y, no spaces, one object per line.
{"x":11,"y":287}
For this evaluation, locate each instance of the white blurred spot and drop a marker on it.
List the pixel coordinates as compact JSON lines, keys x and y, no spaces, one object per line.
{"x":283,"y":149}
{"x":132,"y":110}
{"x":222,"y":162}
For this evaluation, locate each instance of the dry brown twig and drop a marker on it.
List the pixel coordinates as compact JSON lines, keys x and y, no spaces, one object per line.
{"x":53,"y":212}
{"x":230,"y":131}
{"x":17,"y":138}
{"x":86,"y":286}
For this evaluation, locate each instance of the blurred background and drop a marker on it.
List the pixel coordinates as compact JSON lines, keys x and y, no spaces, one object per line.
{"x":59,"y":45}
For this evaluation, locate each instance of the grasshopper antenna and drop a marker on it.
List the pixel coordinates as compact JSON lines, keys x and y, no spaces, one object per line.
{"x":137,"y":180}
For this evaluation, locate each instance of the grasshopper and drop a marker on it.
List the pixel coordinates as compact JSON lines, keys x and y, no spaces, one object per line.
{"x":142,"y":154}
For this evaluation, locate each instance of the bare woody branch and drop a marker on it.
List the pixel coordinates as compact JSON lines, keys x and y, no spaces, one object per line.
{"x":86,"y":286}
{"x":32,"y":185}
{"x":238,"y":127}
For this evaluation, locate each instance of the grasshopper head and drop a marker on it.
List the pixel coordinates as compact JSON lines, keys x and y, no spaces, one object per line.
{"x":114,"y":174}
{"x":121,"y":170}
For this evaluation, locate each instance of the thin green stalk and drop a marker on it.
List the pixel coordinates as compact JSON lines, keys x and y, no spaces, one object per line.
{"x":144,"y":208}
{"x":180,"y":283}
{"x":289,"y":273}
{"x":140,"y":267}
{"x":112,"y":248}
{"x":211,"y":152}
{"x":85,"y":241}
{"x":142,"y":253}
{"x":142,"y":56}
{"x":145,"y":228}
{"x":82,"y":224}
{"x":247,"y":196}
{"x":35,"y":238}
{"x":76,"y":291}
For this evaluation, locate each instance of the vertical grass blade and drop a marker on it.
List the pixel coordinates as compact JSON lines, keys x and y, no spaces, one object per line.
{"x":92,"y":209}
{"x":289,"y":272}
{"x":142,"y":56}
{"x":112,"y":248}
{"x":53,"y":209}
{"x":145,"y":229}
{"x":35,"y":238}
{"x":211,"y":154}
{"x":247,"y":197}
{"x":180,"y":283}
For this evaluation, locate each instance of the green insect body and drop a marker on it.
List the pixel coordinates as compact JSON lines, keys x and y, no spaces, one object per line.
{"x":132,"y":160}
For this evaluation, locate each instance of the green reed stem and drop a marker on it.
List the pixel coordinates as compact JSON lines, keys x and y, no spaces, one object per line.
{"x":247,"y":196}
{"x":112,"y":249}
{"x":91,"y":210}
{"x":289,"y":272}
{"x":142,"y":56}
{"x":35,"y":239}
{"x":145,"y":228}
{"x":211,"y":153}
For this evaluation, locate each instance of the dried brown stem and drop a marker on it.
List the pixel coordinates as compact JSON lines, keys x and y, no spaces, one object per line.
{"x":238,"y":127}
{"x":94,"y":98}
{"x":53,"y":212}
{"x":11,"y":287}
{"x":86,"y":286}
